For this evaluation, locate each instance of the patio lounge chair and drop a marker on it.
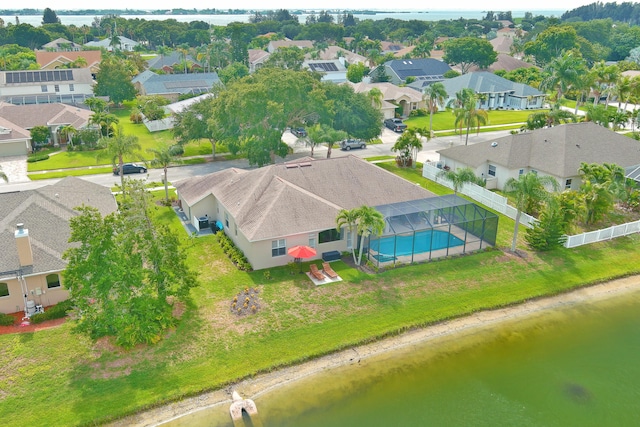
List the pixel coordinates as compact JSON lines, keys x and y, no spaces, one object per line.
{"x":329,"y":271}
{"x":313,"y":269}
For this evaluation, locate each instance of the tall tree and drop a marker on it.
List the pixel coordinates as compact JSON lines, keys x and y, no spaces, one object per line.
{"x":114,"y":80}
{"x":552,"y":43}
{"x":125,"y":273}
{"x":468,"y":114}
{"x":50,"y":17}
{"x":324,"y":134}
{"x":468,"y":51}
{"x":528,"y":190}
{"x":409,"y":144}
{"x":197,"y":122}
{"x":564,"y":73}
{"x":434,"y":95}
{"x":39,"y":136}
{"x":163,"y":157}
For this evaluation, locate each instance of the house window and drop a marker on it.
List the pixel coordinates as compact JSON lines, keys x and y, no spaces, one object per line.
{"x":312,"y":240}
{"x":278,"y":247}
{"x":567,"y":184}
{"x":492,"y":170}
{"x":53,"y":281}
{"x":349,"y":240}
{"x":330,"y":235}
{"x":521,"y":172}
{"x":4,"y":290}
{"x":57,"y":88}
{"x":226,"y":219}
{"x":44,"y":88}
{"x":71,"y":88}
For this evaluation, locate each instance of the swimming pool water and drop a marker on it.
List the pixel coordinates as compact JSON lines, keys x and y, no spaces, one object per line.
{"x":425,"y":241}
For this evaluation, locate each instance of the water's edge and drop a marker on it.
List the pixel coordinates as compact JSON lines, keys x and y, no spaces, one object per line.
{"x":254,"y":387}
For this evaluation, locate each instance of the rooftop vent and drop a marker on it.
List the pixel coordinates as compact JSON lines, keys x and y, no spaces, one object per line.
{"x":494,"y":144}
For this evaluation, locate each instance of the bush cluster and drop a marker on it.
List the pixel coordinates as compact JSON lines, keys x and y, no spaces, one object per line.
{"x":37,"y":157}
{"x":6,"y":320}
{"x":235,"y":255}
{"x":58,"y":311}
{"x":420,"y":112}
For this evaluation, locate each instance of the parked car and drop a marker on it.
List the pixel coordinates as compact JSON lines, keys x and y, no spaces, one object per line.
{"x":129,"y":168}
{"x":395,"y":125}
{"x":348,"y":144}
{"x":299,"y":132}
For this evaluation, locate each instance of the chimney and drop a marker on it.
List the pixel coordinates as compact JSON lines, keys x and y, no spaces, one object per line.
{"x":24,"y":246}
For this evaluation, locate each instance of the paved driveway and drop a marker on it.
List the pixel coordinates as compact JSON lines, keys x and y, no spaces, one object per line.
{"x":15,"y":167}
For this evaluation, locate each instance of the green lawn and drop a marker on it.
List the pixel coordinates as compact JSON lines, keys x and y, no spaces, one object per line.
{"x":77,"y":382}
{"x":444,"y":120}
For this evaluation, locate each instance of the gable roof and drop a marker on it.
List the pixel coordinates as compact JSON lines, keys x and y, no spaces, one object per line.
{"x":390,"y":92}
{"x":557,"y":151}
{"x":170,"y":60}
{"x":504,"y":62}
{"x":10,"y":131}
{"x":157,"y":84}
{"x":404,"y":68}
{"x":258,"y":56}
{"x":277,"y":44}
{"x":61,"y":43}
{"x":298,"y":197}
{"x":46,"y":212}
{"x":30,"y":115}
{"x":486,"y":82}
{"x":502,"y":44}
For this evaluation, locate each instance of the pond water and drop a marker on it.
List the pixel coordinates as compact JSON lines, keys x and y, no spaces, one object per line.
{"x":574,"y":366}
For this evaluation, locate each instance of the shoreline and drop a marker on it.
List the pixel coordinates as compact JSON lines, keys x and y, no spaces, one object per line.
{"x":263,"y":383}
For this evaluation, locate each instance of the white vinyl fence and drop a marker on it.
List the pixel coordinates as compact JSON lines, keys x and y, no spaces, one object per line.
{"x":499,"y":203}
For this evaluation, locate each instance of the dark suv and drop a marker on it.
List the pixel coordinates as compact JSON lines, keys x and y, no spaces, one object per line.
{"x":348,"y":144}
{"x":129,"y":168}
{"x":395,"y":125}
{"x":299,"y":132}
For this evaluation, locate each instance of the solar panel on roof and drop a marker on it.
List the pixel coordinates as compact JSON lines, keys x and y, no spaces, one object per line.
{"x":39,"y":76}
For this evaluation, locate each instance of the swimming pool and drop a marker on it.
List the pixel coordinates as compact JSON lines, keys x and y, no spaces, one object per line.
{"x":425,"y":241}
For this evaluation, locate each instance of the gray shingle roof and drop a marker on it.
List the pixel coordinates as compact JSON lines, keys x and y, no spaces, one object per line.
{"x":556,"y":151}
{"x":46,"y":212}
{"x":297,"y":197}
{"x":28,"y":116}
{"x":485,"y":82}
{"x":177,"y":83}
{"x":170,"y":60}
{"x":404,"y":68}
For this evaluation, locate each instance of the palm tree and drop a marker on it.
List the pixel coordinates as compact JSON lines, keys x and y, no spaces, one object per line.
{"x":623,"y":89}
{"x":409,"y":144}
{"x":375,"y":96}
{"x":458,"y":177}
{"x":468,"y":114}
{"x":563,"y":73}
{"x":349,"y":219}
{"x":163,"y":157}
{"x":603,"y":78}
{"x":117,"y":147}
{"x":529,"y":190}
{"x":434,"y":95}
{"x":370,"y":221}
{"x":67,"y":132}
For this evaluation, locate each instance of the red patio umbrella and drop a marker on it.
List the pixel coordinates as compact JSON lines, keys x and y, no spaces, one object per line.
{"x":301,"y":252}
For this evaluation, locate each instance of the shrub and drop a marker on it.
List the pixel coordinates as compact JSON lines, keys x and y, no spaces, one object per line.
{"x":420,"y":112}
{"x":58,"y":311}
{"x":6,"y":320}
{"x":38,"y":157}
{"x":176,"y":150}
{"x":235,"y":255}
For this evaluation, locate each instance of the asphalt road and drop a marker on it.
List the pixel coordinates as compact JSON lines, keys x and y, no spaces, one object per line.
{"x":300,"y":149}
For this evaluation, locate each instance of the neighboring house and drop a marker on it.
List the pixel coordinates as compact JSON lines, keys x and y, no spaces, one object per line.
{"x":504,"y":62}
{"x":125,"y":44}
{"x":172,"y":109}
{"x":557,"y":152}
{"x":336,"y":52}
{"x":34,"y":233}
{"x":257,"y":58}
{"x":61,"y":45}
{"x":14,"y":140}
{"x":400,"y":69}
{"x":267,"y":210}
{"x":174,"y":59}
{"x":171,"y":86}
{"x":332,"y":70}
{"x":277,"y":44}
{"x":394,"y":97}
{"x":502,"y":44}
{"x":390,"y":47}
{"x":24,"y":117}
{"x":496,"y":91}
{"x":70,"y":86}
{"x":58,"y":60}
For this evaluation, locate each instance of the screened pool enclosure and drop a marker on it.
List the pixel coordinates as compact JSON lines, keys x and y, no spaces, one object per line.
{"x":421,"y":230}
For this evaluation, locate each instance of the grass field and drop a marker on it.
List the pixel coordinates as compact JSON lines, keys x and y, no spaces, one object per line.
{"x":445,"y":120}
{"x":77,"y":382}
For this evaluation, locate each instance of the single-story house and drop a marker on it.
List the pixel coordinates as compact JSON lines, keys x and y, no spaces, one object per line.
{"x":332,"y":70}
{"x":277,"y":44}
{"x":125,"y":43}
{"x":70,"y":86}
{"x":34,"y":233}
{"x":497,"y":91}
{"x":336,"y":52}
{"x":393,"y":97}
{"x":399,"y":70}
{"x":59,"y":59}
{"x":257,"y":58}
{"x":17,"y":120}
{"x":174,"y":59}
{"x":268,"y":210}
{"x":61,"y":45}
{"x":557,"y":152}
{"x":171,"y":86}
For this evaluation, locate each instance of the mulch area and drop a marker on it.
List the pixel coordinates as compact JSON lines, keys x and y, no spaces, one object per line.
{"x":16,"y":328}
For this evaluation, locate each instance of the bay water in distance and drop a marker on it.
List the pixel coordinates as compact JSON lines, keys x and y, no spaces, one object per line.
{"x":221,"y":20}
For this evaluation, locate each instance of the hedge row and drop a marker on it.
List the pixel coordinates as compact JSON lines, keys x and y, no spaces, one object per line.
{"x":235,"y":255}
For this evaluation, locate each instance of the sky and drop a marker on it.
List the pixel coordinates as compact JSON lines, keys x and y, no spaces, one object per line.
{"x":495,"y":5}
